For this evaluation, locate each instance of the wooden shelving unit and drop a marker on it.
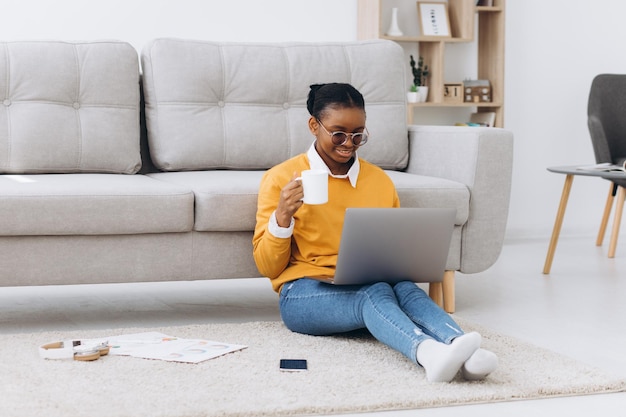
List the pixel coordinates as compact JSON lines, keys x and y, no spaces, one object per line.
{"x":373,"y":18}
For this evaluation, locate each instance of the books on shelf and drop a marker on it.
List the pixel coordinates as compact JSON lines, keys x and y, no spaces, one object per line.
{"x":484,"y":119}
{"x":487,"y":118}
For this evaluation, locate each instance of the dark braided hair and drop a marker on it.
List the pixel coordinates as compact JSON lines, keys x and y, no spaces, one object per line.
{"x":334,"y":96}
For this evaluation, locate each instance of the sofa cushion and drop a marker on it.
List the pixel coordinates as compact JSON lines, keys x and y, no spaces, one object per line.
{"x":69,"y":107}
{"x":216,"y":105}
{"x":225,"y":200}
{"x":92,"y":204}
{"x":424,"y":191}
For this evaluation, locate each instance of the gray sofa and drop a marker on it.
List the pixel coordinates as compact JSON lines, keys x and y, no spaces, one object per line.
{"x":112,"y":174}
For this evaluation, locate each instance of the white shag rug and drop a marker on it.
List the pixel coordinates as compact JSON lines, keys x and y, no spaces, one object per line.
{"x":347,"y":374}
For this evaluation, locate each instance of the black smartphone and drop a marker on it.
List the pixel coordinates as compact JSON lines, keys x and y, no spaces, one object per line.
{"x":293,"y":365}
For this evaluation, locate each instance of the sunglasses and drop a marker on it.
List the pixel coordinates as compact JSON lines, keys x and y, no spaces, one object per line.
{"x":339,"y":138}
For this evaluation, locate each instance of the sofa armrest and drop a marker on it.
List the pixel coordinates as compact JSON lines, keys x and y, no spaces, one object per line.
{"x":482,"y":159}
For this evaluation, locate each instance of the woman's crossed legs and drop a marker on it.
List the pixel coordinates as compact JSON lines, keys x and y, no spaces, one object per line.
{"x":402,"y":316}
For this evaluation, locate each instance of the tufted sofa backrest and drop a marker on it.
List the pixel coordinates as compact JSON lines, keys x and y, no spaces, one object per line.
{"x":69,"y":107}
{"x":216,"y":105}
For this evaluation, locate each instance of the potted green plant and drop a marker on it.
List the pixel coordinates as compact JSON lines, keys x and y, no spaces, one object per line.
{"x":418,"y":90}
{"x":413,"y":95}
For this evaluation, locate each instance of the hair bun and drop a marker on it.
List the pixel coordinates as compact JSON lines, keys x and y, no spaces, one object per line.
{"x":310,"y":102}
{"x":325,"y":95}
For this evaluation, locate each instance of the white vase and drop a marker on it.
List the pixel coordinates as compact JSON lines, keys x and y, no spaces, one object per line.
{"x":423,"y":92}
{"x":412,"y":96}
{"x":394,"y":29}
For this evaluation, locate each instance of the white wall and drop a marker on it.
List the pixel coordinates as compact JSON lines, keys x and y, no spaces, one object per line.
{"x":137,"y":21}
{"x":553,"y":50}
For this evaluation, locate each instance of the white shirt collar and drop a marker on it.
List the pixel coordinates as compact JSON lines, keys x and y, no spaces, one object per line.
{"x":316,"y":162}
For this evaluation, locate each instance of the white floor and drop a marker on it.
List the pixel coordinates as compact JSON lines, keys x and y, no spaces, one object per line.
{"x":578,"y":310}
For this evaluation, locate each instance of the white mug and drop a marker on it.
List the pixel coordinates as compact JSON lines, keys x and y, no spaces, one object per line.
{"x":315,"y":185}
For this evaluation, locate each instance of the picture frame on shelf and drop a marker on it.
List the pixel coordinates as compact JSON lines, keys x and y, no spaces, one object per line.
{"x":434,"y":19}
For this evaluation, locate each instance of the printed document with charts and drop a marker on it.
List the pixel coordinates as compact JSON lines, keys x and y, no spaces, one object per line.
{"x":605,"y":167}
{"x":155,"y":345}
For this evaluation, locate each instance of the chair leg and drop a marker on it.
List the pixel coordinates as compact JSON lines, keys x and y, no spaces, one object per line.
{"x":607,"y":214}
{"x":442,"y":293}
{"x":558,"y":222}
{"x":619,"y":208}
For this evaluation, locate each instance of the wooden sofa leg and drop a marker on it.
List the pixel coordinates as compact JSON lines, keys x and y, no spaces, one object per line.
{"x":442,"y":293}
{"x":448,"y":292}
{"x":436,"y":293}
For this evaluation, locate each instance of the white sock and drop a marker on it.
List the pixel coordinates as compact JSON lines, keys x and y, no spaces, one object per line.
{"x":441,"y":361}
{"x":479,"y":365}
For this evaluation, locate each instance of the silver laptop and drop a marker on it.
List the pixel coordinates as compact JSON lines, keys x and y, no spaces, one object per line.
{"x":393,"y":245}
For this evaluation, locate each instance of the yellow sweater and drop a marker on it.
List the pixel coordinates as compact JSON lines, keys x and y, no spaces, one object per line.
{"x":312,"y":249}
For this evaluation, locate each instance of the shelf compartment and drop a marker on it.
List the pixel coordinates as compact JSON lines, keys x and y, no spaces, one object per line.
{"x":468,"y":23}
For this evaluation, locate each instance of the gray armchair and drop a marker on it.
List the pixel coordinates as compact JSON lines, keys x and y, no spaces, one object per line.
{"x":607,"y":127}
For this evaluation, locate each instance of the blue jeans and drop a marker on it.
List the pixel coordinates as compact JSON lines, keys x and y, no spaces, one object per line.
{"x":400,"y":316}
